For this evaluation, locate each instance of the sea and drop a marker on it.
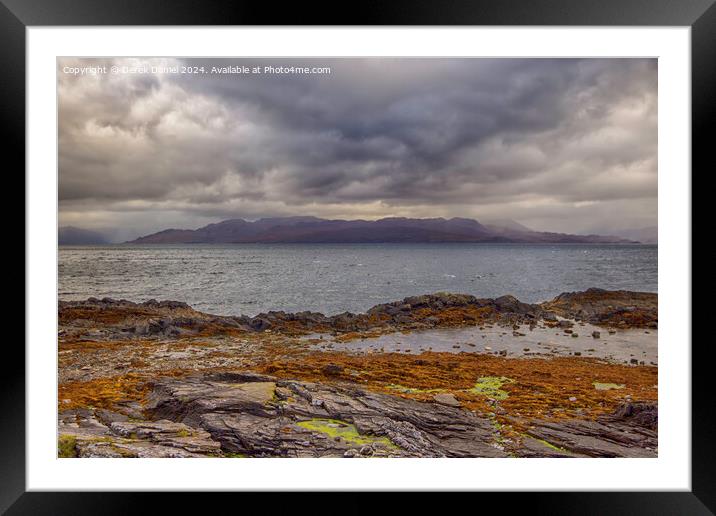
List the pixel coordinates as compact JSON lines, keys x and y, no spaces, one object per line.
{"x":333,"y":278}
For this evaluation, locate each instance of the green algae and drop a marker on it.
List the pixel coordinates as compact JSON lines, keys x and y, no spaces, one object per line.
{"x":607,"y":386}
{"x":490,"y":386}
{"x":67,"y":446}
{"x":544,"y":443}
{"x":347,"y":432}
{"x":548,"y":444}
{"x":412,"y":390}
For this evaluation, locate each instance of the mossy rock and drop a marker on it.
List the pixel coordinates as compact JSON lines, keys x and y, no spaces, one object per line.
{"x":67,"y":446}
{"x":345,"y":431}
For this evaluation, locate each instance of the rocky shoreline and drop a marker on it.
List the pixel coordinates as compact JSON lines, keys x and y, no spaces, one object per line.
{"x":619,"y":309}
{"x":160,"y":379}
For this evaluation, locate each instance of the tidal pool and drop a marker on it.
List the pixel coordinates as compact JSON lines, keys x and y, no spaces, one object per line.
{"x":622,"y":346}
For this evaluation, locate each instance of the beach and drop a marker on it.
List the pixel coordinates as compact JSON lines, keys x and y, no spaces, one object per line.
{"x":431,"y":375}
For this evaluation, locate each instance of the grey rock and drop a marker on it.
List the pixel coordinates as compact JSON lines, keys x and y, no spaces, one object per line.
{"x":260,"y":324}
{"x":603,"y":438}
{"x":446,"y":399}
{"x":638,"y":413}
{"x":253,"y":419}
{"x":168,"y":434}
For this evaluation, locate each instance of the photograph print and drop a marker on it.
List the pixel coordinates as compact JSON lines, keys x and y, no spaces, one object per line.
{"x":357,"y":257}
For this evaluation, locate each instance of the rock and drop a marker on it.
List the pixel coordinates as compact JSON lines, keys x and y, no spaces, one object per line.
{"x":132,"y":449}
{"x":168,"y":434}
{"x":531,"y":447}
{"x":596,"y":335}
{"x":188,"y":401}
{"x":442,"y":309}
{"x":367,"y":451}
{"x":608,"y":307}
{"x":638,"y":413}
{"x":606,"y":437}
{"x":513,"y":305}
{"x":259,"y":324}
{"x":257,"y":415}
{"x":107,"y":417}
{"x":446,"y":399}
{"x":332,"y":370}
{"x":145,"y":439}
{"x":266,"y":426}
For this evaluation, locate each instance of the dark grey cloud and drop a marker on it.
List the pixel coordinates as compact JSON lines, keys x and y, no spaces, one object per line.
{"x":556,"y":143}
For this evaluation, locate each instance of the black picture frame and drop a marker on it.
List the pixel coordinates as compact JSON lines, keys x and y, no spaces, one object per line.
{"x":700,"y":15}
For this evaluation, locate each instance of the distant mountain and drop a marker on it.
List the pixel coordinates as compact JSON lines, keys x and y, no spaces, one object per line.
{"x":315,"y":230}
{"x":70,"y":235}
{"x":648,"y":235}
{"x":501,"y":225}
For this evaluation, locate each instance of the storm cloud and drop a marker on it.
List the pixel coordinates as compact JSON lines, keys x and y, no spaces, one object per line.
{"x":557,"y":144}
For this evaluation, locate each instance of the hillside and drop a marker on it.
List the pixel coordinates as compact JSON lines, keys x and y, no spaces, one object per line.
{"x":387,"y":230}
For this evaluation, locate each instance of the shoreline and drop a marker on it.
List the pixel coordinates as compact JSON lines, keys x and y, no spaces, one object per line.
{"x":162,"y":379}
{"x":607,"y":308}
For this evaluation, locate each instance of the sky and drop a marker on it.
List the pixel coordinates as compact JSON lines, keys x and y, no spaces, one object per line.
{"x":565,"y":145}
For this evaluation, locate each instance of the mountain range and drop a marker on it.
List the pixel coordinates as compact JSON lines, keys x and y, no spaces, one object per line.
{"x":387,"y":230}
{"x":648,"y":235}
{"x":70,"y":235}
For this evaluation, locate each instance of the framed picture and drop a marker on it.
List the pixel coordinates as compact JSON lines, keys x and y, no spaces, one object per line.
{"x":424,"y":238}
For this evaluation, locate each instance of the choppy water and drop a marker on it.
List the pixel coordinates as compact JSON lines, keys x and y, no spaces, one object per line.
{"x":253,"y":278}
